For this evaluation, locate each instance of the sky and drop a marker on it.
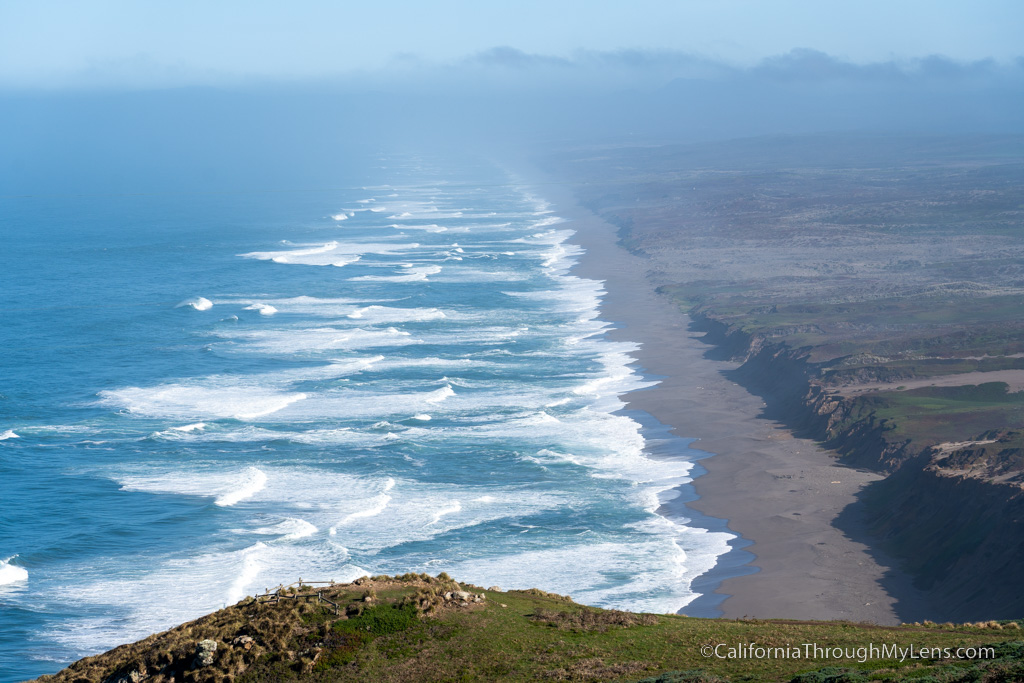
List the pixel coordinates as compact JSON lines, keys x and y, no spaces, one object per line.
{"x":140,"y":95}
{"x":58,"y":44}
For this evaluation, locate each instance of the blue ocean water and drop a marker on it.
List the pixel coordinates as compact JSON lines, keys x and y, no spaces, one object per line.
{"x":204,"y":395}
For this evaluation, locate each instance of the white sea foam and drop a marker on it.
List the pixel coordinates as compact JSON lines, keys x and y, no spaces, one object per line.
{"x":431,"y":227}
{"x":419,"y":210}
{"x":652,"y":571}
{"x":60,"y":429}
{"x":380,"y":513}
{"x":250,"y":569}
{"x":341,"y":436}
{"x":292,"y":342}
{"x":215,"y":578}
{"x":415,"y":274}
{"x":305,"y":305}
{"x":226,"y":487}
{"x":197,"y":302}
{"x":394,"y":362}
{"x":374,"y":506}
{"x":332,"y":253}
{"x":11,"y":573}
{"x":341,"y":216}
{"x":449,"y":509}
{"x":195,"y":427}
{"x":441,"y":394}
{"x":9,"y":434}
{"x":251,"y":482}
{"x":264,"y":309}
{"x":384,"y":314}
{"x":288,"y":529}
{"x":466,"y":274}
{"x":211,"y":401}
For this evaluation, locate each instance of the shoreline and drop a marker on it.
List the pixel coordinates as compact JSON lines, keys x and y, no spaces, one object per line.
{"x":735,"y":562}
{"x":780,"y":494}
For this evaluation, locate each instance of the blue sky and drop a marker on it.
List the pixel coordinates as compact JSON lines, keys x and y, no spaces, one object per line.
{"x":58,"y":43}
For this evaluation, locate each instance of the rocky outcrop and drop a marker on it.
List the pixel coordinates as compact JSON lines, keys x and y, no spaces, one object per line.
{"x":204,"y":653}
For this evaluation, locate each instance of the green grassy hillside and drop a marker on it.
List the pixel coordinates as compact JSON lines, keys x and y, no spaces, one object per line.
{"x":421,"y":628}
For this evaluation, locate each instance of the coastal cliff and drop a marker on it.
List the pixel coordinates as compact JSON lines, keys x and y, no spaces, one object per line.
{"x":871,"y":290}
{"x":953,"y":513}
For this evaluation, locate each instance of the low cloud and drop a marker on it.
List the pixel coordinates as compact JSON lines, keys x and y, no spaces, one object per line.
{"x":143,"y":122}
{"x":512,"y":58}
{"x":506,"y":66}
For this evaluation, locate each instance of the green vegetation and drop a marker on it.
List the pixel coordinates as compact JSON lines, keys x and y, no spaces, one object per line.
{"x":419,"y":628}
{"x":933,"y":415}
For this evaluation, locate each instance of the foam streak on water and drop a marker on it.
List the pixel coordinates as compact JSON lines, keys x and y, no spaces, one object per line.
{"x":446,"y":401}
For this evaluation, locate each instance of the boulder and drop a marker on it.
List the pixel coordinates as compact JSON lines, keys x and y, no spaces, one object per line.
{"x":204,"y":653}
{"x":243,"y":641}
{"x":134,"y":676}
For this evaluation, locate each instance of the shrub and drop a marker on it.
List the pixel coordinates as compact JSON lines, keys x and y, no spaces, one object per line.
{"x":691,"y":676}
{"x":832,"y":674}
{"x":385,"y":619}
{"x":592,"y":620}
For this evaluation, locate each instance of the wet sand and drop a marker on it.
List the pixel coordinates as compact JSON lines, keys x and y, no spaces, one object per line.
{"x":780,"y":492}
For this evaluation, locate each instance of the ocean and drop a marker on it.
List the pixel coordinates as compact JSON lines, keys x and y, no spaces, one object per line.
{"x":203,"y":395}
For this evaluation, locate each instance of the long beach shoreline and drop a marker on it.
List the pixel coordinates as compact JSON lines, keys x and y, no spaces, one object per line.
{"x":779,"y":492}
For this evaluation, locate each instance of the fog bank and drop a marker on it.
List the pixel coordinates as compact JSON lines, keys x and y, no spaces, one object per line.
{"x":276,"y":135}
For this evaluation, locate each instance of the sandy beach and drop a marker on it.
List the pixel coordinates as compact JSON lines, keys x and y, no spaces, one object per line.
{"x":780,"y":493}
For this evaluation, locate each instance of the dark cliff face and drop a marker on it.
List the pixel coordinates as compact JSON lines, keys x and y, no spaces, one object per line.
{"x":954,"y":518}
{"x":962,"y":538}
{"x":861,"y":440}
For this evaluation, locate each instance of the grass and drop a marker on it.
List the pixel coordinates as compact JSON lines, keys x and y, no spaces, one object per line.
{"x":409,"y":632}
{"x":933,"y":415}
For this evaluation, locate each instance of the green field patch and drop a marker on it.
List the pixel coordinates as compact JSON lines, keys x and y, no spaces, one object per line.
{"x":932,"y":415}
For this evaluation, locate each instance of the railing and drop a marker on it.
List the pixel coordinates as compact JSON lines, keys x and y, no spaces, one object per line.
{"x":283,"y":592}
